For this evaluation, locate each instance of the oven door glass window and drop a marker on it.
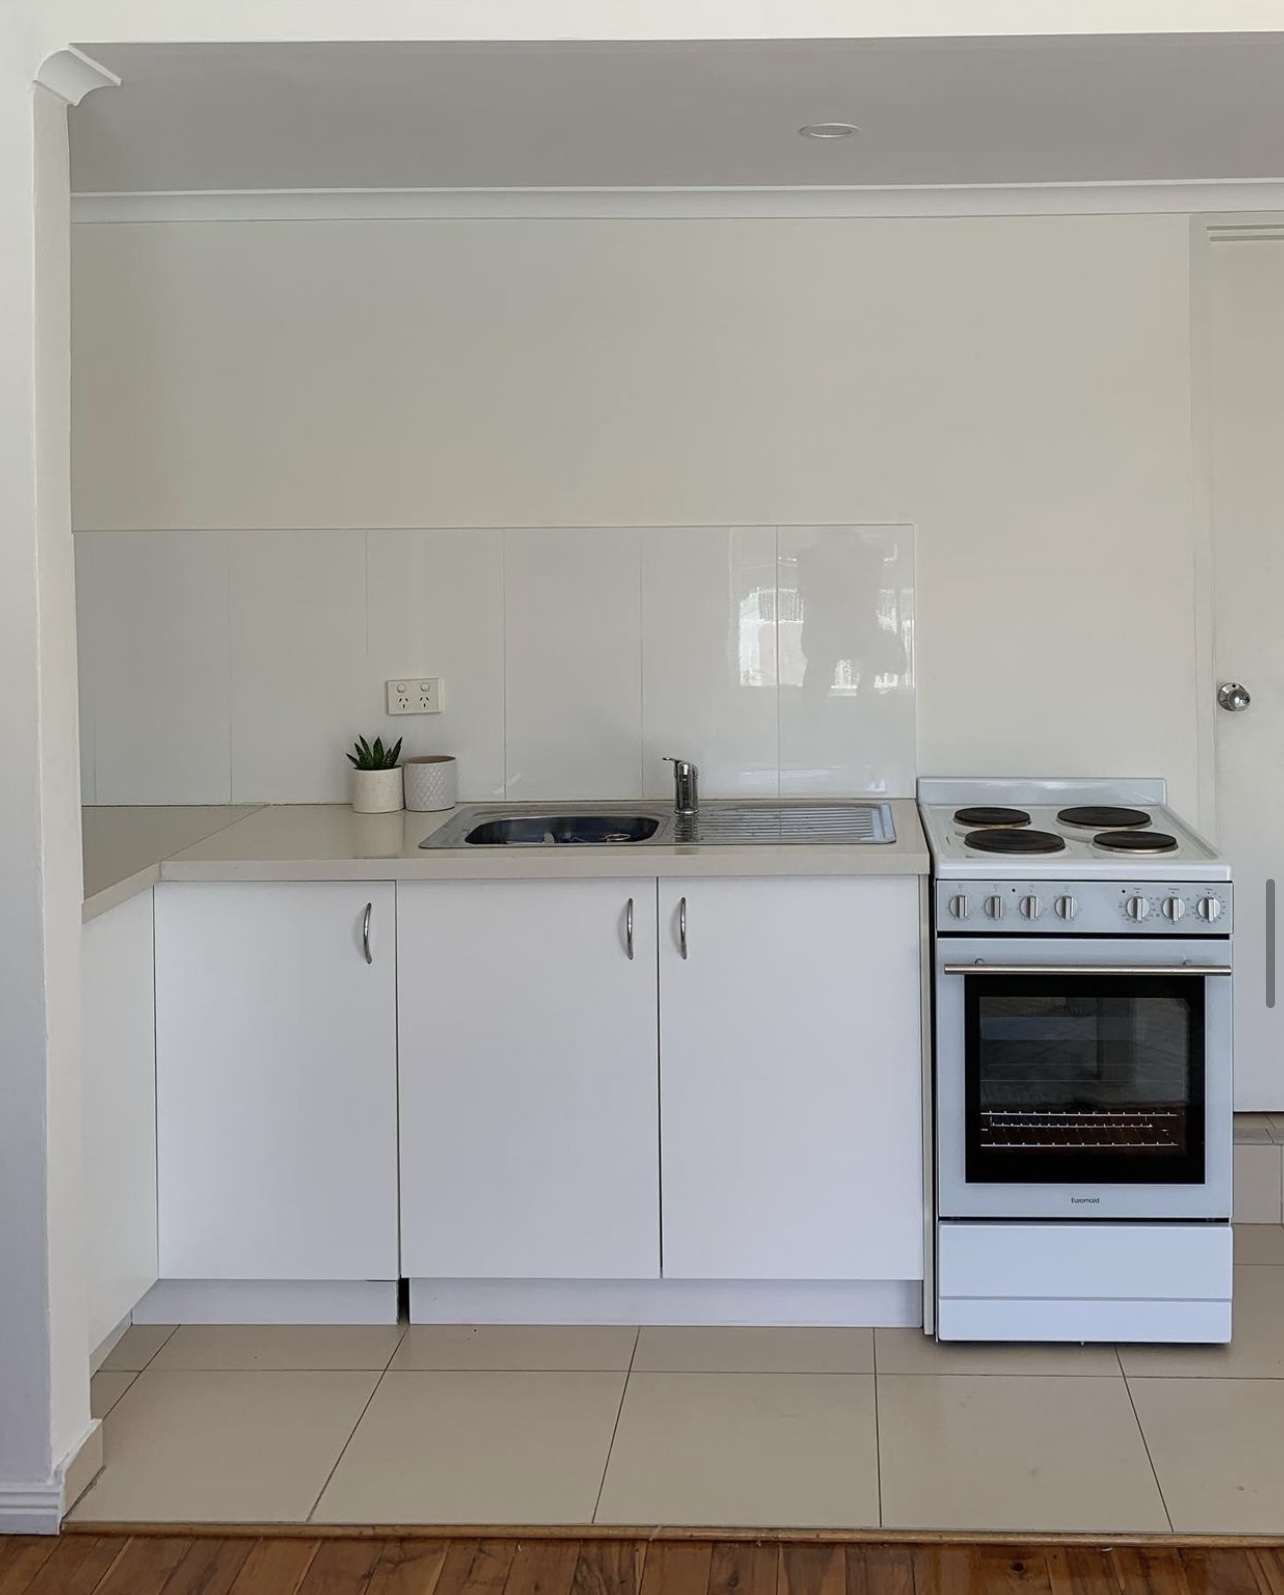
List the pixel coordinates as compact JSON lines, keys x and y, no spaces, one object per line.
{"x":1085,"y":1079}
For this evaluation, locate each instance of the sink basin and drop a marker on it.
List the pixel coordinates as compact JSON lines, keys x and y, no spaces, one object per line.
{"x":539,"y":830}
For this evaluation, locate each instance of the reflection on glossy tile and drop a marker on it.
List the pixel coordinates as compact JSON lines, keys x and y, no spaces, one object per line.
{"x":709,"y":1350}
{"x":1256,"y":1350}
{"x":551,"y":1347}
{"x":779,"y":1450}
{"x":911,"y":1351}
{"x":136,"y":1347}
{"x":477,"y":1448}
{"x":223,"y":1447}
{"x":279,"y":1346}
{"x":153,"y":633}
{"x":106,"y":1389}
{"x":298,"y":657}
{"x":436,"y":608}
{"x":1259,"y":1178}
{"x":846,"y":659}
{"x":573,"y":667}
{"x":1259,"y":1243}
{"x":709,"y":658}
{"x":1218,"y":1450}
{"x":1006,"y":1452}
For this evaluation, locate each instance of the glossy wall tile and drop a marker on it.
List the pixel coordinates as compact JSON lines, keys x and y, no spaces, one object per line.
{"x":573,"y":659}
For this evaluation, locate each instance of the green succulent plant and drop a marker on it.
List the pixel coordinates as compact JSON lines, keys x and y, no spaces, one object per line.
{"x":374,"y":756}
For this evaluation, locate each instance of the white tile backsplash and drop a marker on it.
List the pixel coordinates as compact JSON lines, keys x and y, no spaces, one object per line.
{"x":436,"y":605}
{"x":239,"y":666}
{"x":846,"y":659}
{"x":573,"y":667}
{"x":152,"y":615}
{"x":709,"y":658}
{"x":299,"y":622}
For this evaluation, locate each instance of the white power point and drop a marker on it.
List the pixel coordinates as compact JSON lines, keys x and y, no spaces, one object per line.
{"x":408,"y":695}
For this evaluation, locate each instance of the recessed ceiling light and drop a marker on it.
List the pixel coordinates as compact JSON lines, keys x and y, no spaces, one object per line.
{"x":829,"y":130}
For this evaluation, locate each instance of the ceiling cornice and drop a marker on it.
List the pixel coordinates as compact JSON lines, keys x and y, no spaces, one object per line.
{"x":71,"y":74}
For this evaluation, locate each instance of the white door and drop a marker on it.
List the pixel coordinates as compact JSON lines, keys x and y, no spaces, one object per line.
{"x":791,"y":1079}
{"x":118,"y":1012}
{"x":529,"y":1114}
{"x":1247,"y":417}
{"x":276,"y":1070}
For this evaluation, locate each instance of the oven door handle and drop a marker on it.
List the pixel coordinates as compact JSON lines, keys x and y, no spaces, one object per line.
{"x":1087,"y":969}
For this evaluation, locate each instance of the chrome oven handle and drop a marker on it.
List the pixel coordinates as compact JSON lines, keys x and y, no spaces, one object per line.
{"x":1086,"y":969}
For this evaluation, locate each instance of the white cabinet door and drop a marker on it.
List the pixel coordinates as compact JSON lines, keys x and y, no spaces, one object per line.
{"x":529,"y":1113}
{"x":119,"y":1112}
{"x":276,"y":1081}
{"x":791,"y":1078}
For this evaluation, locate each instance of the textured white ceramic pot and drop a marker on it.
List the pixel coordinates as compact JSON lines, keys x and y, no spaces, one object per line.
{"x":432,"y":782}
{"x":376,"y":791}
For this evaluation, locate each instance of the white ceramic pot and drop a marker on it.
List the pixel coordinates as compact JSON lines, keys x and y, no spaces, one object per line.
{"x":376,"y":791}
{"x":432,"y":782}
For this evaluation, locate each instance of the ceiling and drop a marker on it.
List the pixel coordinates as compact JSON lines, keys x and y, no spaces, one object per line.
{"x":287,"y":116}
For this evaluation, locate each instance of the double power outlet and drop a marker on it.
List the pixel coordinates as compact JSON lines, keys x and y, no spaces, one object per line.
{"x":411,"y":695}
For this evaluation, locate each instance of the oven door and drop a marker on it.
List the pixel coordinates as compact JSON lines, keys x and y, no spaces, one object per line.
{"x":1086,"y":1078}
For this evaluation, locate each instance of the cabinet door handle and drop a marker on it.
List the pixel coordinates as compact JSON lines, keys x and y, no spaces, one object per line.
{"x":682,"y":926}
{"x":628,"y":928}
{"x":365,"y":933}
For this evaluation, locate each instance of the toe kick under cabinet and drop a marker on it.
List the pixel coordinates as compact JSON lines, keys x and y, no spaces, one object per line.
{"x":691,"y":1079}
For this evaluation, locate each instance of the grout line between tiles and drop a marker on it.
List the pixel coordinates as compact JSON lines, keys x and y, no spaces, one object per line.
{"x":878,"y":1437}
{"x":343,"y":1450}
{"x":615,"y":1427}
{"x":1154,"y":1472}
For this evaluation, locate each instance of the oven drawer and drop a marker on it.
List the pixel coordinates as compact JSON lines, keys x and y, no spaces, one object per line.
{"x":1085,"y":1260}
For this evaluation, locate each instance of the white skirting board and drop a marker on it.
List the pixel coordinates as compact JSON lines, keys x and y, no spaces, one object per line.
{"x":882,"y":1303}
{"x":269,"y":1301}
{"x":40,"y":1508}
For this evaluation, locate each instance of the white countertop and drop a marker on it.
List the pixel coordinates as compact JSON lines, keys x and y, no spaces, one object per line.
{"x":129,"y":850}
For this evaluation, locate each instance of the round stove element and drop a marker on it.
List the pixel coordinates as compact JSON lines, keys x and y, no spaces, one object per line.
{"x":992,"y":819}
{"x":1136,"y":842}
{"x":1104,"y":818}
{"x":1015,"y":841}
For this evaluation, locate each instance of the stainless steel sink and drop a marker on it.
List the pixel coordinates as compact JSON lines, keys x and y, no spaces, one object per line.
{"x":718,"y":824}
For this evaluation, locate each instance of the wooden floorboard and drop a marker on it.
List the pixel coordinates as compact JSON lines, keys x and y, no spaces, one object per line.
{"x":199,"y":1562}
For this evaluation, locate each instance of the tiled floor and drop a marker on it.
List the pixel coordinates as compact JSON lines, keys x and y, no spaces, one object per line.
{"x":832,"y":1428}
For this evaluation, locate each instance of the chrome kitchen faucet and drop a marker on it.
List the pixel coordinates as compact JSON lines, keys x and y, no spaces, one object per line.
{"x":686,"y":795}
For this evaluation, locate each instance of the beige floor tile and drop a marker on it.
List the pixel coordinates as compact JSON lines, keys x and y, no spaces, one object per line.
{"x":1257,"y":1195}
{"x":704,"y":1350}
{"x":1013,"y":1452}
{"x":469,"y":1447}
{"x":283,"y":1347}
{"x":744,"y":1449}
{"x":1253,"y":1127}
{"x":106,"y":1389}
{"x":136,"y":1348}
{"x":516,"y":1348}
{"x":224,"y":1447}
{"x":1259,"y":1243}
{"x":911,"y":1351}
{"x":1218,"y":1448}
{"x":1256,"y":1350}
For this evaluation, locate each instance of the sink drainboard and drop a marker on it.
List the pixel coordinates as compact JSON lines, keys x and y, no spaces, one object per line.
{"x":835,"y":823}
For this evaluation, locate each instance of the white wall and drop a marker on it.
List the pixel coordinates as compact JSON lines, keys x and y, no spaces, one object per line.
{"x":1018,"y":388}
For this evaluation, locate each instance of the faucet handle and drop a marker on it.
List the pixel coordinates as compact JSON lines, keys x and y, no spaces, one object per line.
{"x":682,"y":765}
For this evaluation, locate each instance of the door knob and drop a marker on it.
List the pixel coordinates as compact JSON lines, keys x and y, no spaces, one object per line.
{"x":1231,"y":696}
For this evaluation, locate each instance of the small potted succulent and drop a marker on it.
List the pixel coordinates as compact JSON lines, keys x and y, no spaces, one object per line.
{"x":376,"y":777}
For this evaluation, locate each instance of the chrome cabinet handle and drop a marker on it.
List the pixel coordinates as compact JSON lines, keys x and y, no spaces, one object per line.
{"x":628,"y":928}
{"x":682,"y":926}
{"x":365,"y":933}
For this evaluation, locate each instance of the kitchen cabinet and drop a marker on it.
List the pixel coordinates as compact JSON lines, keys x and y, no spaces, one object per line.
{"x":528,"y":1077}
{"x":276,"y":1081}
{"x":791,"y":1080}
{"x":118,"y":1112}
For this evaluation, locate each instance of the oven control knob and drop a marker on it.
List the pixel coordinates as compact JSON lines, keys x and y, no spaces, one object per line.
{"x":1066,"y":907}
{"x":1209,"y":908}
{"x":994,"y":907}
{"x":1174,"y":908}
{"x":959,"y":907}
{"x":1136,"y":908}
{"x":1031,"y":907}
